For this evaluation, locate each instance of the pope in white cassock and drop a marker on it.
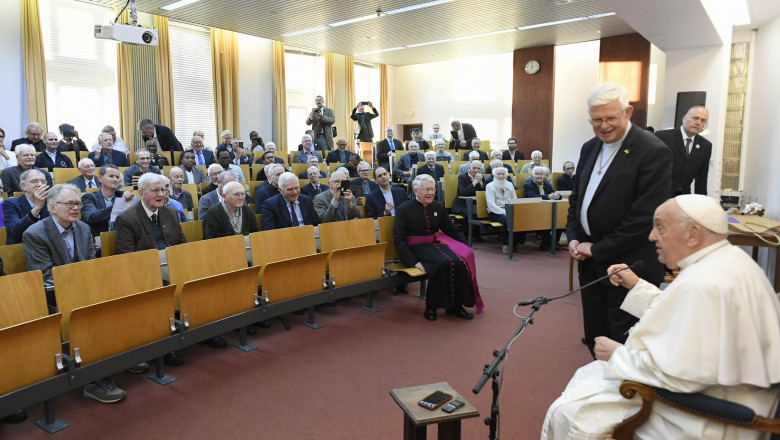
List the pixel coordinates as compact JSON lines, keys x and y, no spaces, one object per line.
{"x":715,"y":329}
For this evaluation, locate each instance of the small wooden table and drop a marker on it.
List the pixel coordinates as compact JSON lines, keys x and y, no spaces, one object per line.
{"x":417,"y":418}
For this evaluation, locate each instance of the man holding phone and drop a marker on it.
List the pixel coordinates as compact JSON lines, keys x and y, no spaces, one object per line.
{"x":364,"y":131}
{"x":337,"y":203}
{"x":71,"y":141}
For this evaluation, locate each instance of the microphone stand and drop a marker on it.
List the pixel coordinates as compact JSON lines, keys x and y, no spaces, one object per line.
{"x":492,"y":371}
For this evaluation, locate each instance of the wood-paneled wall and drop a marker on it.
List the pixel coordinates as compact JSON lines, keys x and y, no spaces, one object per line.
{"x":532,"y":100}
{"x":632,"y":48}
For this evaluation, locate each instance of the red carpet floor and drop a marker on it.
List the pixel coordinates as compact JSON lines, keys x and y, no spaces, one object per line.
{"x":334,"y":383}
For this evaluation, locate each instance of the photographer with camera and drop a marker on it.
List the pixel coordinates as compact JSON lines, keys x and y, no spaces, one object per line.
{"x":337,"y":203}
{"x":363,"y":130}
{"x":71,"y":141}
{"x":321,"y":120}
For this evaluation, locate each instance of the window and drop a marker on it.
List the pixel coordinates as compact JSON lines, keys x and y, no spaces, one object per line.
{"x":367,"y":84}
{"x":193,"y":84}
{"x":305,"y":79}
{"x":81,"y":84}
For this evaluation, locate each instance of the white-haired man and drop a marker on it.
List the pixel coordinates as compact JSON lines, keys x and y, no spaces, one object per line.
{"x":25,"y":156}
{"x":498,"y":194}
{"x":536,"y":161}
{"x":215,"y":197}
{"x":271,"y":188}
{"x":288,"y":208}
{"x":713,"y":330}
{"x":441,"y":153}
{"x":337,"y":203}
{"x":176,"y":176}
{"x":32,"y":136}
{"x":87,"y":178}
{"x":407,"y":161}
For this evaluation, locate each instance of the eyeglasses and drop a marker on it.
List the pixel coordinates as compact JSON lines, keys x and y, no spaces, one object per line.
{"x":568,"y":168}
{"x":237,"y":195}
{"x":342,"y":145}
{"x":35,"y":181}
{"x":611,"y":120}
{"x":70,"y":204}
{"x":155,"y":191}
{"x":366,"y":170}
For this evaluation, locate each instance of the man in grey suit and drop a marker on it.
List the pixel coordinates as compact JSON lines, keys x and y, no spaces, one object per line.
{"x":215,"y":197}
{"x":96,"y":206}
{"x":307,"y":151}
{"x":334,"y":205}
{"x":408,"y":160}
{"x":192,"y":174}
{"x":87,"y":178}
{"x":321,"y":120}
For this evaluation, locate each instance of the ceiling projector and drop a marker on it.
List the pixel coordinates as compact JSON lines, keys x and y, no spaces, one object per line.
{"x":127,"y":33}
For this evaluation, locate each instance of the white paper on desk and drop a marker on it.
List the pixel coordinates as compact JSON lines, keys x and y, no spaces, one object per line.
{"x":120,"y":206}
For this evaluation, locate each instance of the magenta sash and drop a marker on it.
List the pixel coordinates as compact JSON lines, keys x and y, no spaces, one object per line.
{"x":461,"y":250}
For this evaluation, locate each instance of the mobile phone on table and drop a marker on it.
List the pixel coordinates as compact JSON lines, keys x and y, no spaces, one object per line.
{"x":435,"y":400}
{"x":452,"y":406}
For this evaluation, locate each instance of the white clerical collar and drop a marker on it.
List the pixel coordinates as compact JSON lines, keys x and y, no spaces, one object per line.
{"x":701,"y":253}
{"x":619,"y":142}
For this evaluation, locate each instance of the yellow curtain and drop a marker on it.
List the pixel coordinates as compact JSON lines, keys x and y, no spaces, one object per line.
{"x":349,"y":99}
{"x":224,"y":55}
{"x":162,"y":70}
{"x":34,"y":63}
{"x":330,"y":80}
{"x":280,"y":95}
{"x":383,"y":100}
{"x":124,"y":68}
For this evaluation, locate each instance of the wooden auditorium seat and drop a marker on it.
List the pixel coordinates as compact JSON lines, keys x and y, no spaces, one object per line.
{"x":215,"y":297}
{"x":14,"y":259}
{"x":281,"y":244}
{"x":23,"y":298}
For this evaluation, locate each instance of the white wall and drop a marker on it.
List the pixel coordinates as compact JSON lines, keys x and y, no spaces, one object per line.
{"x":576,"y":74}
{"x":13,"y":98}
{"x":437,"y":92}
{"x":657,"y":86}
{"x":256,"y":87}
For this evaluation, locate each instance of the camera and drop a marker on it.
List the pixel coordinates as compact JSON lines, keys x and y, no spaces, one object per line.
{"x":67,"y":131}
{"x":363,"y":102}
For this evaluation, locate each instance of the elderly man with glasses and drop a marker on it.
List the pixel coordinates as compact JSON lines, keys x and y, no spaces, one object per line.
{"x":363,"y":185}
{"x":566,"y":180}
{"x":11,"y":176}
{"x":231,"y":216}
{"x":19,"y":213}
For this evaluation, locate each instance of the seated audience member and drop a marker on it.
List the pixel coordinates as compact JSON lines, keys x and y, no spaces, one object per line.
{"x":25,"y":155}
{"x":403,"y":168}
{"x":340,"y":154}
{"x":267,"y":158}
{"x":62,"y":239}
{"x":311,"y":163}
{"x":713,"y":330}
{"x":536,"y":161}
{"x":442,"y":154}
{"x":475,"y":144}
{"x":96,"y":206}
{"x":271,"y":147}
{"x":468,"y":185}
{"x":2,"y":222}
{"x":232,"y":216}
{"x":386,"y":148}
{"x":363,"y":185}
{"x":497,"y":163}
{"x":425,"y":238}
{"x":32,"y":137}
{"x":157,"y":160}
{"x":289,"y":207}
{"x":192,"y":173}
{"x":203,"y":156}
{"x":498,"y":194}
{"x":173,"y":203}
{"x":431,"y":168}
{"x":314,"y":186}
{"x":19,"y":213}
{"x":307,"y":151}
{"x":566,"y":180}
{"x":422,"y":144}
{"x":336,"y":204}
{"x":215,"y":197}
{"x":384,"y":200}
{"x":540,"y":187}
{"x":223,"y":159}
{"x":214,"y":171}
{"x":461,"y":135}
{"x":166,"y":140}
{"x":106,"y":153}
{"x":464,"y":168}
{"x":436,"y":134}
{"x":226,"y":145}
{"x":270,"y":189}
{"x":365,"y":133}
{"x":51,"y":157}
{"x":257,"y":142}
{"x":241,"y":157}
{"x":352,"y":165}
{"x":142,"y":166}
{"x":176,"y":176}
{"x":512,"y":153}
{"x":117,"y":142}
{"x":7,"y":159}
{"x":87,"y":178}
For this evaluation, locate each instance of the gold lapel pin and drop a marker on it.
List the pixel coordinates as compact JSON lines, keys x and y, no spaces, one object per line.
{"x":625,"y":151}
{"x":697,"y":146}
{"x":435,"y":214}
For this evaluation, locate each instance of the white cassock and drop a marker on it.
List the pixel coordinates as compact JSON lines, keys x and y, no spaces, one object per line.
{"x":715,"y":329}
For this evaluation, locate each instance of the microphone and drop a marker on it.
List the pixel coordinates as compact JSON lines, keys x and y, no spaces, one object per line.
{"x":639,"y":264}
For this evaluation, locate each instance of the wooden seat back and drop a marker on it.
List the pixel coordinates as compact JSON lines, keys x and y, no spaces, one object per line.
{"x":102,"y":279}
{"x":386,"y":236}
{"x":281,"y":244}
{"x":23,"y":298}
{"x":531,"y":215}
{"x":193,"y":230}
{"x":205,"y":258}
{"x":3,"y":236}
{"x":108,"y":243}
{"x":450,"y":188}
{"x":192,"y":188}
{"x":107,"y":328}
{"x":482,"y":211}
{"x":563,"y":213}
{"x":356,"y":264}
{"x":212,"y":298}
{"x":283,"y":280}
{"x":351,"y":233}
{"x":62,"y":175}
{"x":14,"y":259}
{"x":28,"y":352}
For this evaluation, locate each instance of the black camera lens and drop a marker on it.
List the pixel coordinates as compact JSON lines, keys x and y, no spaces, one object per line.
{"x":147,"y":37}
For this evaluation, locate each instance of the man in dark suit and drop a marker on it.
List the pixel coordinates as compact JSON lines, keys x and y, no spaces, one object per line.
{"x":11,"y":176}
{"x":215,"y":197}
{"x":142,"y":166}
{"x":149,"y":224}
{"x":365,"y":133}
{"x":87,"y":178}
{"x":362,"y":186}
{"x":566,"y":180}
{"x":96,"y":206}
{"x":538,"y":186}
{"x":288,"y":208}
{"x":431,"y":168}
{"x":385,"y":198}
{"x":51,"y":157}
{"x":32,"y":136}
{"x":461,"y":134}
{"x":690,"y":152}
{"x":623,"y":175}
{"x":321,"y":120}
{"x":340,"y":154}
{"x":203,"y":156}
{"x":311,"y":163}
{"x":192,"y":173}
{"x":176,"y":175}
{"x":218,"y":223}
{"x":106,"y":153}
{"x":512,"y":153}
{"x":386,"y":147}
{"x":270,"y":147}
{"x":265,"y":192}
{"x":19,"y":213}
{"x":468,"y":185}
{"x":475,"y":144}
{"x":314,"y":186}
{"x":165,"y":137}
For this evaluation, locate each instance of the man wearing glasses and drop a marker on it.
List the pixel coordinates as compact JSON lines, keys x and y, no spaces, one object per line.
{"x":19,"y":213}
{"x":566,"y":180}
{"x":340,"y":154}
{"x":232,"y":216}
{"x":11,"y":176}
{"x":623,"y":175}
